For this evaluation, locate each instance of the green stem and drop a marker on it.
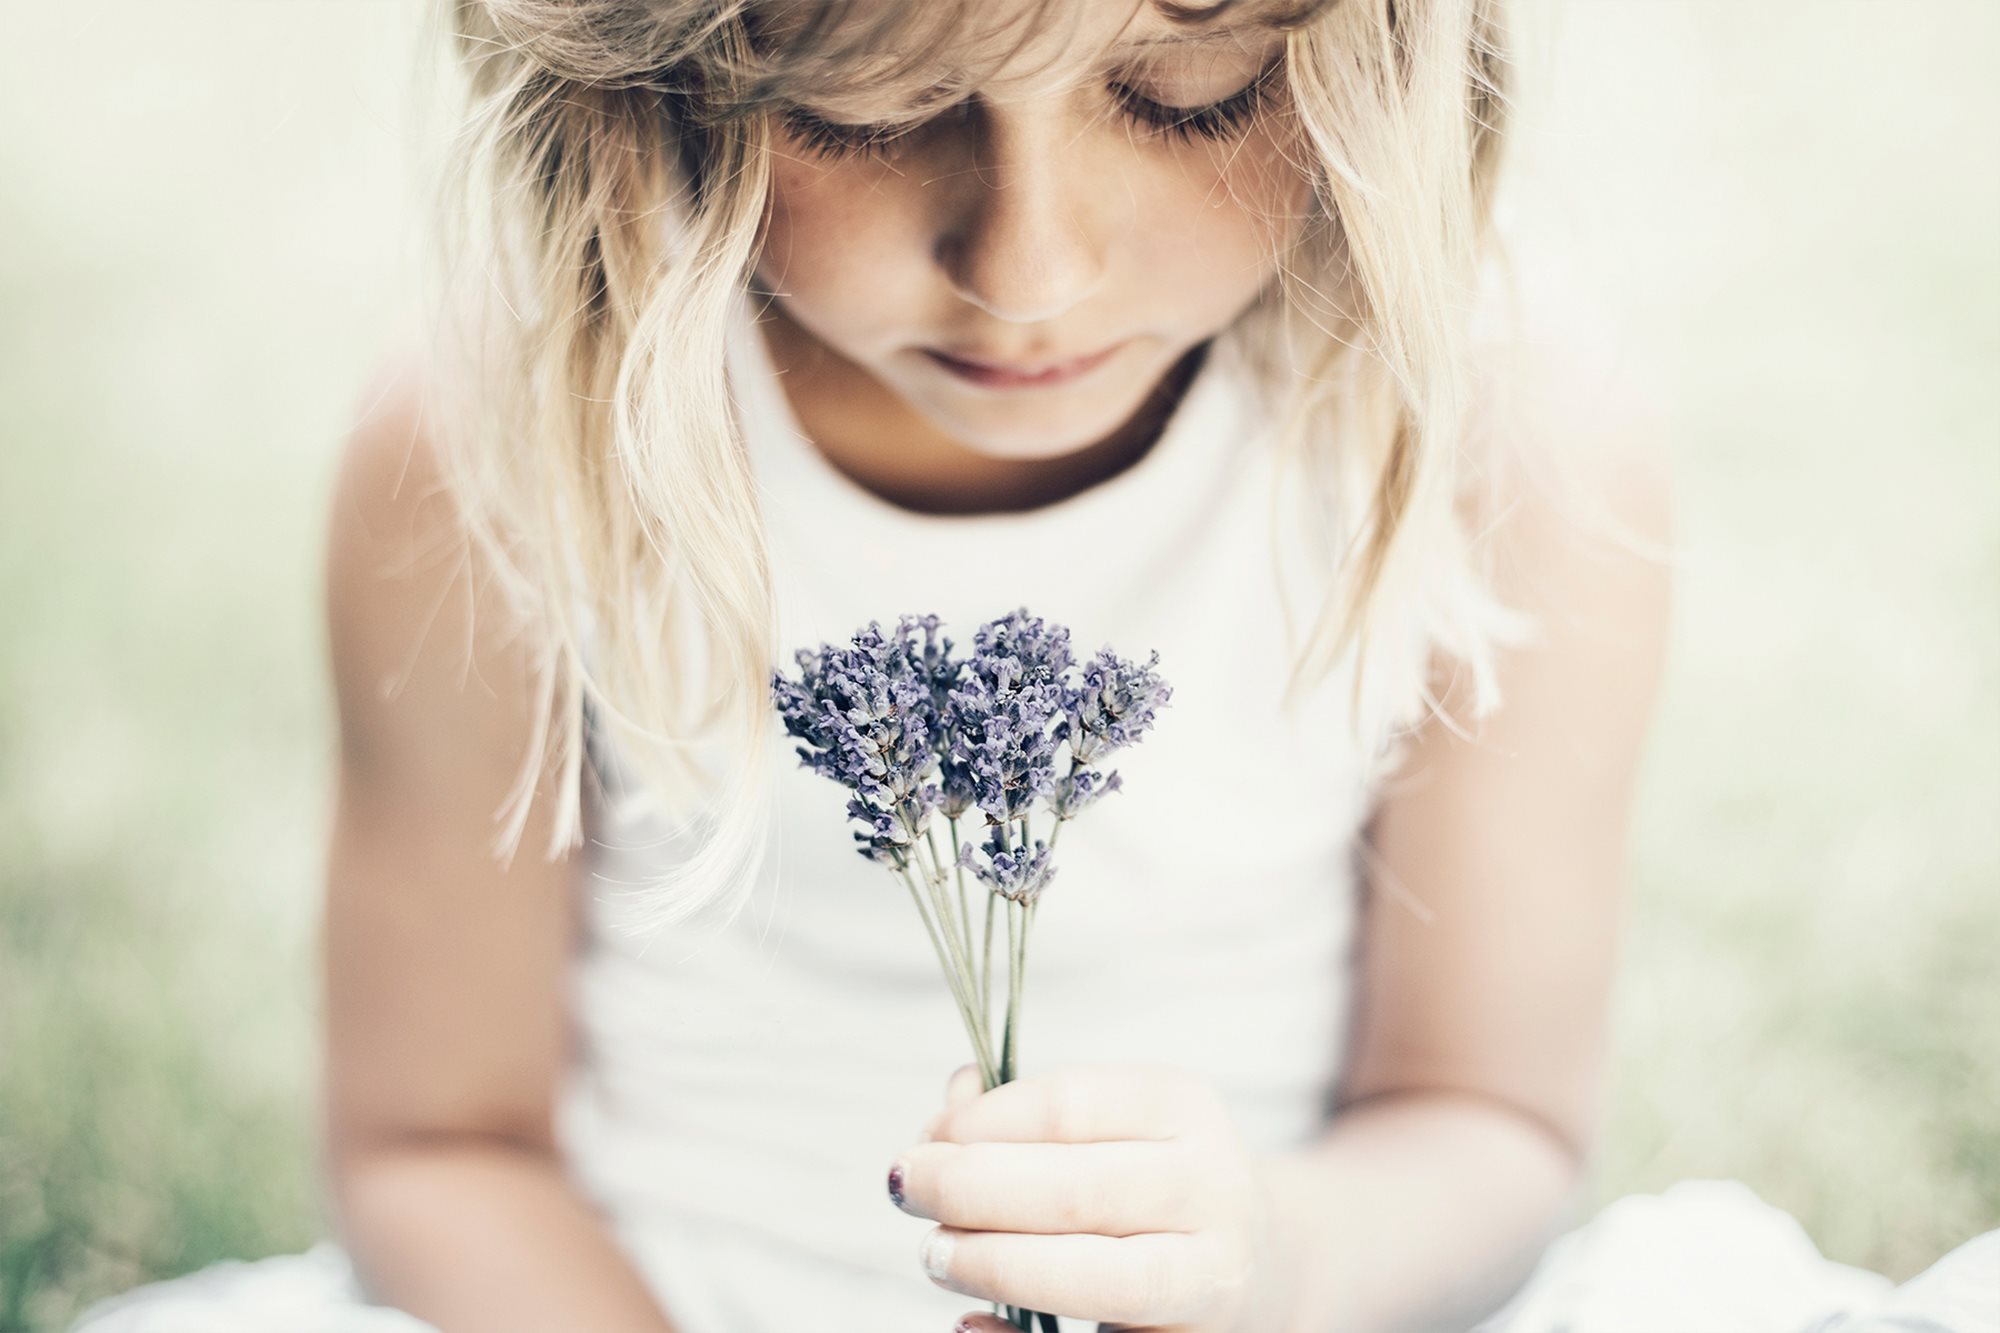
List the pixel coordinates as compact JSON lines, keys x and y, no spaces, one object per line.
{"x":967,"y":983}
{"x":1027,"y":923}
{"x":986,"y":966}
{"x":1010,"y":1058}
{"x":963,"y":919}
{"x":976,"y":1030}
{"x":941,"y":902}
{"x":953,"y":921}
{"x":1007,"y":1040}
{"x":965,"y":911}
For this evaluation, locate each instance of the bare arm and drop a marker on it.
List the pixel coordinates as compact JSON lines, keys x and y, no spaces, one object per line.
{"x":444,"y":972}
{"x":1470,"y":1099}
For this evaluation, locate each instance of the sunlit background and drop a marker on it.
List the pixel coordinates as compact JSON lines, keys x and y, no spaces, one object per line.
{"x":208,"y":216}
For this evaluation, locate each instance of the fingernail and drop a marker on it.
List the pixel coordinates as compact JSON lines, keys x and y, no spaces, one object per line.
{"x":896,"y":1184}
{"x":962,"y":1326}
{"x":937,"y":1255}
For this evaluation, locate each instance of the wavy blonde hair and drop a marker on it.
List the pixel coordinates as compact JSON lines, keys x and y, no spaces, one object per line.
{"x":603,"y":206}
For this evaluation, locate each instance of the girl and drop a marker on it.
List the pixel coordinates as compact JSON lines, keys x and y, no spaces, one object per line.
{"x":1182,"y":324}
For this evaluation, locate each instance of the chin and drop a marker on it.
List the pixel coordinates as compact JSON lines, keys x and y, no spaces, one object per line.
{"x":1029,"y":426}
{"x":1025,"y":436}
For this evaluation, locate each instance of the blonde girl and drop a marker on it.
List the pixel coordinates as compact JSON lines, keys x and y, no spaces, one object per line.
{"x":929,"y":205}
{"x":1184,"y":323}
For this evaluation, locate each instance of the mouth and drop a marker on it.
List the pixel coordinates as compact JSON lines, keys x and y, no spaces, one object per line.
{"x":997,"y":373}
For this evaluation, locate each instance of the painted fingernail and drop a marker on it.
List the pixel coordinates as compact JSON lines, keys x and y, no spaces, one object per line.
{"x":937,"y":1255}
{"x":896,"y":1184}
{"x":962,"y":1326}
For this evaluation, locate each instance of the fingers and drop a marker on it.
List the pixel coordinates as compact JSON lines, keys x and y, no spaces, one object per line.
{"x":1114,"y":1189}
{"x":964,"y":1084}
{"x":1157,"y":1278}
{"x":1095,"y":1104}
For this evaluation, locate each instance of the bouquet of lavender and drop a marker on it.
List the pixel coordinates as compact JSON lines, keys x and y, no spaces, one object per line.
{"x":1017,"y":730}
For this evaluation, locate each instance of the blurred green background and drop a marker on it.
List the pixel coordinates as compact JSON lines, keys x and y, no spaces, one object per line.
{"x":1792,"y":209}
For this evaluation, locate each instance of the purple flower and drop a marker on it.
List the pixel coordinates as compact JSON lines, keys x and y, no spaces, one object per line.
{"x":1113,"y":707}
{"x":1000,"y":721}
{"x":932,"y":660}
{"x":869,"y":715}
{"x":911,"y":730}
{"x":1015,"y":873}
{"x":1081,"y":789}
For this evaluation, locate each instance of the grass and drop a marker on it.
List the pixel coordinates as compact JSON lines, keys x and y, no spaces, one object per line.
{"x":1790,"y":212}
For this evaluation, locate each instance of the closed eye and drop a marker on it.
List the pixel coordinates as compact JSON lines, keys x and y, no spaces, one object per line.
{"x":1215,"y":120}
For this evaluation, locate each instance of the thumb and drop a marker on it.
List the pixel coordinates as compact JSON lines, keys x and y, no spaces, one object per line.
{"x":963,"y":1085}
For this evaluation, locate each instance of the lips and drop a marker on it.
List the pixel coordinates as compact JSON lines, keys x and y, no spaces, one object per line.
{"x":999,"y":373}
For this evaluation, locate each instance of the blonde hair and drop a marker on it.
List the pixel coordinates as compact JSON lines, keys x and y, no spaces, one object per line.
{"x":602,"y":213}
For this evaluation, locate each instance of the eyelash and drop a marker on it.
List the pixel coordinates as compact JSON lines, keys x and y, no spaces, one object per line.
{"x":1217,"y":120}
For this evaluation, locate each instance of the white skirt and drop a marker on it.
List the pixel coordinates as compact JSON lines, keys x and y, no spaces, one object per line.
{"x":1705,"y":1256}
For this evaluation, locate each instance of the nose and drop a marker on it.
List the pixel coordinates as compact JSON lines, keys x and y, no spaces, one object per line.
{"x":1019,"y":241}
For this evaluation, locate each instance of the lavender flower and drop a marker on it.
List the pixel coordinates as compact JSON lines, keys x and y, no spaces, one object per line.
{"x":1000,"y":719}
{"x":871,"y":720}
{"x":1080,"y":789}
{"x":1016,"y":874}
{"x":1113,"y":707}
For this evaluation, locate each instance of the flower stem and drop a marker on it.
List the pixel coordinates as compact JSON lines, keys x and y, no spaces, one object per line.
{"x":1013,"y":991}
{"x":963,"y":918}
{"x":965,"y":912}
{"x":976,"y":1030}
{"x":1020,"y":974}
{"x":1030,"y":1320}
{"x":986,"y":966}
{"x":941,"y":903}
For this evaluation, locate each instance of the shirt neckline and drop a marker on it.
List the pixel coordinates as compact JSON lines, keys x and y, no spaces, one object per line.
{"x":788,"y":463}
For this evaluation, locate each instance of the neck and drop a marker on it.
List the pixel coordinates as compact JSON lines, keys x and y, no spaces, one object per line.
{"x":869,"y":433}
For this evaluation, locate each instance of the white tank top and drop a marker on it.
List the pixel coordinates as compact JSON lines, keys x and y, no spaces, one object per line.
{"x":739,"y":1095}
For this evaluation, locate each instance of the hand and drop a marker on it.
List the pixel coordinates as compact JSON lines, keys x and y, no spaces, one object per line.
{"x":1116,"y":1193}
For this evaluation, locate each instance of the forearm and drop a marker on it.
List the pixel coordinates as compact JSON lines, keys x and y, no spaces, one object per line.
{"x":485,"y":1237}
{"x":1416,"y":1212}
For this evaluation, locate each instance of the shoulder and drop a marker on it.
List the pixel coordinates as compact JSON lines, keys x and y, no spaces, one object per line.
{"x":390,"y":528}
{"x":432,"y":678}
{"x":1572,"y":489}
{"x":1562,"y":396}
{"x":389,"y":484}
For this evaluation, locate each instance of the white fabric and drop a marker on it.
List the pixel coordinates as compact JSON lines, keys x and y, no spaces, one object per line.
{"x":748,"y":1089}
{"x":741,"y":1093}
{"x":1706,"y":1256}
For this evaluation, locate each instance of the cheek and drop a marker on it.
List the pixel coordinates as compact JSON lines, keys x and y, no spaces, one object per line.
{"x":843,"y":246}
{"x":1222,"y":214}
